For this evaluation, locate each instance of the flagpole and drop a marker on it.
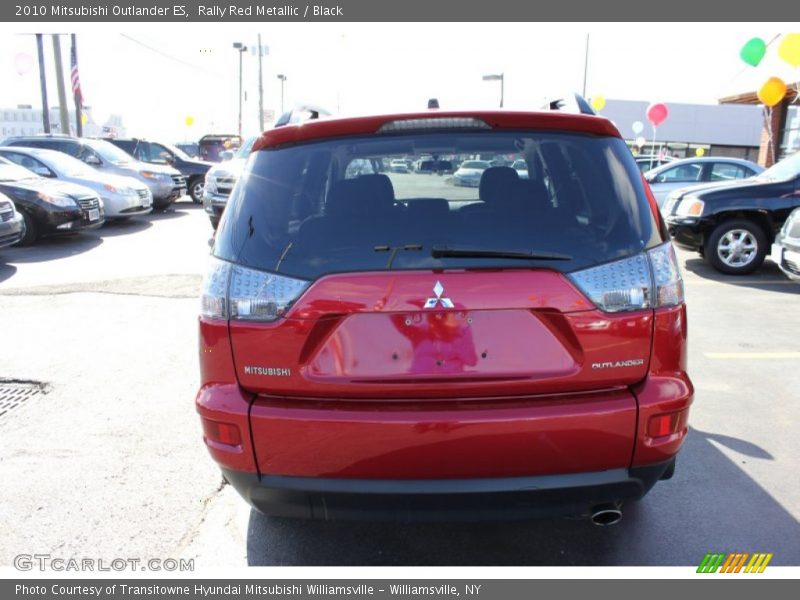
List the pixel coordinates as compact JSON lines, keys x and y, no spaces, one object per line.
{"x":76,"y":93}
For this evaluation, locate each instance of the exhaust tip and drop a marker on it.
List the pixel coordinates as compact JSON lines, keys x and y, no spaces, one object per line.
{"x":607,"y":514}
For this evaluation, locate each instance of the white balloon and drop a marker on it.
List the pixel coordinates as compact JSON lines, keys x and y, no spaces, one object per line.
{"x":637,"y":127}
{"x":640,"y":141}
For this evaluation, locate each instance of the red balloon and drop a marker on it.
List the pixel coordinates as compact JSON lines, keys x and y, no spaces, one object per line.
{"x":657,"y":113}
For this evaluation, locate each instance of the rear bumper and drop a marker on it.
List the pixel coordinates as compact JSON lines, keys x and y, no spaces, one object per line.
{"x":443,"y":500}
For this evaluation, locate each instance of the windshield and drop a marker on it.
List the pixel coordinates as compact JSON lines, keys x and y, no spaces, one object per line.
{"x":475,"y":164}
{"x":15,"y":173}
{"x":788,"y":168}
{"x":176,"y":151}
{"x":65,"y":165}
{"x":244,"y":150}
{"x":109,"y":152}
{"x":306,"y":211}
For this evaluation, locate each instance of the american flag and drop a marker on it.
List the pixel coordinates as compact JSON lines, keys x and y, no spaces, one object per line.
{"x":76,"y":80}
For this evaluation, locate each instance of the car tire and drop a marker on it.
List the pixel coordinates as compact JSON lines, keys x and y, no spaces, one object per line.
{"x":31,"y":233}
{"x":162,"y":205}
{"x":736,"y":247}
{"x":196,"y":185}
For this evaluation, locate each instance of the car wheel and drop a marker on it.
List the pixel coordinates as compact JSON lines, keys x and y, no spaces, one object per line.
{"x":196,"y":190}
{"x":30,"y":231}
{"x":162,"y":205}
{"x":736,"y":247}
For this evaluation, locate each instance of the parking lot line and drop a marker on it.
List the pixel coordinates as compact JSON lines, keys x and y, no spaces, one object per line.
{"x":751,"y":355}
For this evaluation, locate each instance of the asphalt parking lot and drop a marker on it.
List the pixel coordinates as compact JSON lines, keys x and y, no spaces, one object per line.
{"x":107,"y":460}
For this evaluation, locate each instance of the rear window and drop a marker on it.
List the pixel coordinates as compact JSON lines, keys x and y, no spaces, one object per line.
{"x":336,"y":206}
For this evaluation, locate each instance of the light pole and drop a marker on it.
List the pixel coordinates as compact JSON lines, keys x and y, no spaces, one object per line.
{"x":497,"y":77}
{"x":283,"y":78}
{"x":242,"y":49}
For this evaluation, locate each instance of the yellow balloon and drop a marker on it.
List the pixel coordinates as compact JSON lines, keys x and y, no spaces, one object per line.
{"x":84,"y":119}
{"x":598,"y":103}
{"x":789,"y":49}
{"x":772,"y":91}
{"x":700,"y":152}
{"x":189,"y":121}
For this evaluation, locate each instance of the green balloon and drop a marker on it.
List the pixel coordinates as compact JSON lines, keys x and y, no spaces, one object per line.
{"x":753,"y":51}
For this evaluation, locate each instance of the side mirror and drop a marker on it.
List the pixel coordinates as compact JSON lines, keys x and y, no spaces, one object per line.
{"x":92,"y":160}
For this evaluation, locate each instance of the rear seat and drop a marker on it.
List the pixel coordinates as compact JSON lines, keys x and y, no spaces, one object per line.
{"x":360,"y":211}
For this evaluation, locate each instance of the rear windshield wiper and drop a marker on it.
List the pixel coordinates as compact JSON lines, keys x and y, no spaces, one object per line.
{"x":448,"y":252}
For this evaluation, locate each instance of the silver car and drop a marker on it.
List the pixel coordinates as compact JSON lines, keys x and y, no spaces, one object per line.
{"x":122,"y":196}
{"x":689,"y":171}
{"x":12,"y":225}
{"x":221,"y":179}
{"x":165,"y":183}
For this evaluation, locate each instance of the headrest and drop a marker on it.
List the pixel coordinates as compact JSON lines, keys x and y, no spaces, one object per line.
{"x":367,"y":194}
{"x":497,"y":184}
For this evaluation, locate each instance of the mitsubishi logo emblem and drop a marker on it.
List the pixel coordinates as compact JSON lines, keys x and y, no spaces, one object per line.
{"x":438,"y":289}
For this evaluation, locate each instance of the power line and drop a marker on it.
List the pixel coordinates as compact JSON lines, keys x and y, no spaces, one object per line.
{"x":169,"y":56}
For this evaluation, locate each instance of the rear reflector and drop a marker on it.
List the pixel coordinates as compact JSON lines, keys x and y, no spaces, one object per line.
{"x":222,"y":433}
{"x":666,"y":424}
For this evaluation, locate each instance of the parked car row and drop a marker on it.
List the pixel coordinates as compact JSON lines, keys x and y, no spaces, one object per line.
{"x":733,"y":224}
{"x":165,"y":183}
{"x":47,"y":207}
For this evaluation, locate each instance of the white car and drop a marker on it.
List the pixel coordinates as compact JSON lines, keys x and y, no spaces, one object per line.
{"x":398,"y":165}
{"x":122,"y":196}
{"x":470,"y":172}
{"x":521,"y":167}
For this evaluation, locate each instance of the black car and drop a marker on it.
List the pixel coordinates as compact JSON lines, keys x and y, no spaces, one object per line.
{"x":733,"y":225}
{"x":166,"y":154}
{"x":49,"y":207}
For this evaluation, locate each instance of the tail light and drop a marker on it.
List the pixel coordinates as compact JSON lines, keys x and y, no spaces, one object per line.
{"x":234,"y":292}
{"x":648,"y":280}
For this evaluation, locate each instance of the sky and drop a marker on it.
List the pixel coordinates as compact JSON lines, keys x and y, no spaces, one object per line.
{"x":157,"y":75}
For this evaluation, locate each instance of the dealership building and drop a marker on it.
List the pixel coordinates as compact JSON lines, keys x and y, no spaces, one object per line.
{"x":26,"y":120}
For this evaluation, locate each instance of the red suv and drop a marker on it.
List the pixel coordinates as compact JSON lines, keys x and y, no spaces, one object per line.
{"x":378,"y":344}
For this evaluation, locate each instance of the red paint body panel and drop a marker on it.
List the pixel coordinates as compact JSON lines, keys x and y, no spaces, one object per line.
{"x":510,"y":333}
{"x":228,"y":404}
{"x":340,"y":127}
{"x":667,"y":388}
{"x":535,"y":436}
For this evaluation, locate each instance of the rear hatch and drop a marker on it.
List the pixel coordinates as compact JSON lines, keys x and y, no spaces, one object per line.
{"x":386,"y":288}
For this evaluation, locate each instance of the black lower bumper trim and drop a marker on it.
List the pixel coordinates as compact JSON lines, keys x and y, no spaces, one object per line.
{"x":443,"y":500}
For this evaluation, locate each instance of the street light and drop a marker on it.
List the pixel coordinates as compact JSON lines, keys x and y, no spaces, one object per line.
{"x":242,"y":49}
{"x":283,"y":79}
{"x":497,"y":77}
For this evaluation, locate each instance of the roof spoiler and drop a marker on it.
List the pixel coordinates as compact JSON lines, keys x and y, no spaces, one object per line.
{"x":573,"y":103}
{"x":300,"y":114}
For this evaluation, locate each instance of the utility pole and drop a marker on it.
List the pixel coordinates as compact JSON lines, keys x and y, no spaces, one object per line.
{"x":76,"y":94}
{"x":260,"y":88}
{"x":242,"y":49}
{"x":283,"y":78}
{"x":62,"y":93}
{"x":43,"y":82}
{"x":585,"y":65}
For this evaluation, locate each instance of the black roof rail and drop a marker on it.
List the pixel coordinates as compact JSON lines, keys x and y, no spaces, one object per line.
{"x":574,"y":103}
{"x":301,"y":113}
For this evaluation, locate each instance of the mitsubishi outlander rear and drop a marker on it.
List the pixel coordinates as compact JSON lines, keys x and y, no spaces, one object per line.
{"x":383,"y":344}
